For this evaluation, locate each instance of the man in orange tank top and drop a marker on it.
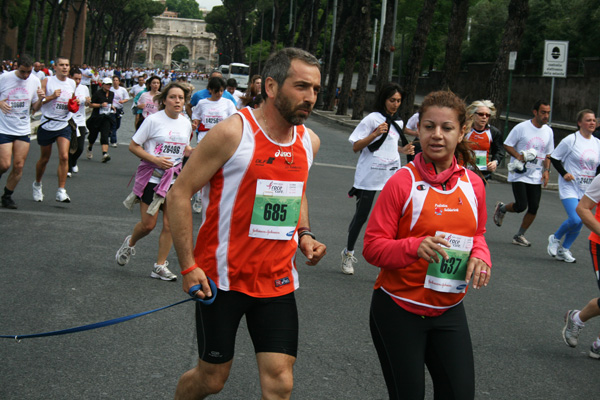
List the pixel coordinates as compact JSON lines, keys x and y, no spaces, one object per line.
{"x":252,"y":169}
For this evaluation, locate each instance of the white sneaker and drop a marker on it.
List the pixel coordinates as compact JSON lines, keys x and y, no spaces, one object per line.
{"x":75,"y":169}
{"x":162,"y":272}
{"x":89,"y":154}
{"x":69,"y":174}
{"x":553,"y":245}
{"x":197,"y":204}
{"x":125,"y":252}
{"x":565,"y":255}
{"x":37,"y":192}
{"x":62,"y":196}
{"x":113,"y":145}
{"x":105,"y":158}
{"x":348,"y":261}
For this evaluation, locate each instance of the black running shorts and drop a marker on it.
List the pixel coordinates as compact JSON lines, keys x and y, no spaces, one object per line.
{"x":272,"y":323}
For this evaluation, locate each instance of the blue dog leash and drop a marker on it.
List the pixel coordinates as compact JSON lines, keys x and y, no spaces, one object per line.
{"x":192,"y":292}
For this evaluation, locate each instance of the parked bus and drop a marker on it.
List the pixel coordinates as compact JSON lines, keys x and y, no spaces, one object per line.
{"x":224,"y":69}
{"x":239,"y":72}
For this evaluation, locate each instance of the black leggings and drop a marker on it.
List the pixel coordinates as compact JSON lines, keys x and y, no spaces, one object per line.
{"x":364,"y":202}
{"x":527,"y":196}
{"x":405,"y":342}
{"x":101,"y":124}
{"x":80,"y":143}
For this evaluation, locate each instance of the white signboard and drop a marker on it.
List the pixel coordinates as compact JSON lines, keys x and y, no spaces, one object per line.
{"x":556,"y":54}
{"x":512,"y":59}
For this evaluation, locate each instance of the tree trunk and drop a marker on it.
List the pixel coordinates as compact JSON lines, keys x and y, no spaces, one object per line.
{"x":4,"y":22}
{"x":416,"y":57}
{"x":518,"y":11}
{"x":364,"y":59}
{"x":338,"y":50}
{"x":456,"y":33}
{"x":39,"y":30}
{"x":51,"y":29}
{"x":79,"y":13}
{"x":277,"y":10}
{"x":386,"y":53}
{"x":24,"y":35}
{"x":66,"y":5}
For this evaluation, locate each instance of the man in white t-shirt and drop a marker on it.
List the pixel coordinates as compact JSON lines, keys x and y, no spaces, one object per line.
{"x":86,"y":76}
{"x":37,"y":71}
{"x":55,"y":127}
{"x":530,"y":135}
{"x":237,"y":95}
{"x":20,"y":94}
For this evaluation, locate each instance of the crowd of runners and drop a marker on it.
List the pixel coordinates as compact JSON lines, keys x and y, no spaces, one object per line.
{"x":242,"y":161}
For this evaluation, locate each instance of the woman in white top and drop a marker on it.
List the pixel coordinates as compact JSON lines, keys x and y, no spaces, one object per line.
{"x":576,"y":159}
{"x":161,"y":142}
{"x":82,"y":93}
{"x":146,"y":101}
{"x":121,"y":97}
{"x":212,"y":110}
{"x":376,"y":137}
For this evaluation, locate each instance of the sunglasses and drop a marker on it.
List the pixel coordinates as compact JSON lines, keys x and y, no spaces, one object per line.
{"x":482,"y":115}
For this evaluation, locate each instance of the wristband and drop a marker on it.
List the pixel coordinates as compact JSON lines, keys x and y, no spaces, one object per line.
{"x":306,"y":232}
{"x":190,"y":269}
{"x":303,"y":229}
{"x":546,"y":170}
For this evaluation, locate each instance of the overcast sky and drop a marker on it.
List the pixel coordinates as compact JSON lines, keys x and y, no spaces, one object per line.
{"x":209,"y":4}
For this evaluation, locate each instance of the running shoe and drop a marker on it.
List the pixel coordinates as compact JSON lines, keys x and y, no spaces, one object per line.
{"x":105,"y":158}
{"x":162,"y":272}
{"x":197,"y":204}
{"x":565,"y":255}
{"x":520,"y":240}
{"x":125,"y":252}
{"x":37,"y":192}
{"x":348,"y":261}
{"x":553,"y":245}
{"x":594,"y":352}
{"x":570,"y":332}
{"x":75,"y":169}
{"x":498,"y":214}
{"x":113,"y":145}
{"x":8,"y":202}
{"x":89,"y":154}
{"x":62,"y":196}
{"x":69,"y":174}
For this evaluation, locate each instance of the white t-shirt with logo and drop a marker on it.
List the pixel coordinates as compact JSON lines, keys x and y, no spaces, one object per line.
{"x":163,"y":136}
{"x":19,"y":94}
{"x":150,"y":106}
{"x":120,"y":94}
{"x":58,"y":108}
{"x":580,"y":158}
{"x":525,"y":136}
{"x":86,"y":76}
{"x":210,"y":113}
{"x":375,"y":168}
{"x":81,"y":92}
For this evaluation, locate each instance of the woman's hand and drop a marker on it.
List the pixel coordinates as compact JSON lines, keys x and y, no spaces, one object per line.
{"x":163,"y":163}
{"x":431,"y":248}
{"x":408,"y":149}
{"x":480,"y":272}
{"x":381,"y":129}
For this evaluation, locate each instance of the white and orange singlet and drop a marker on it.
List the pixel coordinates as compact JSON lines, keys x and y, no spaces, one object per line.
{"x":247,"y":241}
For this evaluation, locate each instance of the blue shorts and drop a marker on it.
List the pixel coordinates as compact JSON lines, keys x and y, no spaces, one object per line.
{"x":11,"y":138}
{"x":46,"y":138}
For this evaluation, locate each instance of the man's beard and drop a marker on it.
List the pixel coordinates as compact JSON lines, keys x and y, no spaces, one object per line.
{"x":288,"y":112}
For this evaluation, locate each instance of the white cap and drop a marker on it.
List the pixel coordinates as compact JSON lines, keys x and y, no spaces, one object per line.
{"x":107,"y":81}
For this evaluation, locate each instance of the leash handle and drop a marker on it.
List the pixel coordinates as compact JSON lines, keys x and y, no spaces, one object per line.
{"x":207,"y":300}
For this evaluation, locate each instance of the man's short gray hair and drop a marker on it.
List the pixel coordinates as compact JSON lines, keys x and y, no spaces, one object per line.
{"x":278,"y":65}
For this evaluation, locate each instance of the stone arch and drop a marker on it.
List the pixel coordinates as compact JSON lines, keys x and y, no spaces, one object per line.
{"x":171,"y":33}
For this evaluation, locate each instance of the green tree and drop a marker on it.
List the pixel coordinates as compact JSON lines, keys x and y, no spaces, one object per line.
{"x":185,"y":8}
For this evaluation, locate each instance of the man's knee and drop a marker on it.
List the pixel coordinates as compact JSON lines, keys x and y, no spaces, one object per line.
{"x":519,"y":208}
{"x":278,"y":379}
{"x":4,"y":165}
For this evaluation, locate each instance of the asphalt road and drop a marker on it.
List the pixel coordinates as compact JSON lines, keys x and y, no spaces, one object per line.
{"x":59,"y":271}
